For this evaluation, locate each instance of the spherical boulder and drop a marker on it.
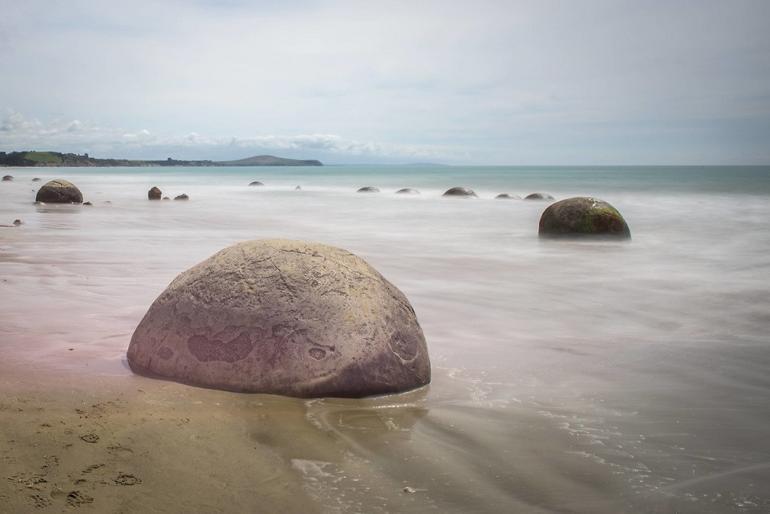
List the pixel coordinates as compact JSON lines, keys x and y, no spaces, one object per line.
{"x":460,"y":191}
{"x":154,"y":193}
{"x":183,"y":196}
{"x":368,"y":189}
{"x":7,"y":178}
{"x":506,"y":196}
{"x":59,"y":191}
{"x":256,"y":183}
{"x":283,"y":317}
{"x":583,"y":217}
{"x":407,"y":191}
{"x":538,"y":196}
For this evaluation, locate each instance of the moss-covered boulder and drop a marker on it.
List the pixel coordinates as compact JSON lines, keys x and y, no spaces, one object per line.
{"x":583,"y":217}
{"x":59,"y":191}
{"x":283,"y":317}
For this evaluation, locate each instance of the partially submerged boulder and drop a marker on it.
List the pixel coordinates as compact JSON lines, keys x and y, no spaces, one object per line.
{"x":36,"y":179}
{"x":59,"y":191}
{"x":506,"y":196}
{"x":368,"y":189}
{"x":583,"y":217}
{"x":7,"y":178}
{"x":407,"y":191}
{"x":460,"y":191}
{"x":183,"y":196}
{"x":256,"y":183}
{"x":538,"y":196}
{"x":154,"y":193}
{"x":283,"y":317}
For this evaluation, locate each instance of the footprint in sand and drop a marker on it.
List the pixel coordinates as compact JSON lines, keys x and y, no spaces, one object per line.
{"x":40,"y":502}
{"x":76,"y":499}
{"x":127,"y":479}
{"x":92,"y":467}
{"x":90,"y":438}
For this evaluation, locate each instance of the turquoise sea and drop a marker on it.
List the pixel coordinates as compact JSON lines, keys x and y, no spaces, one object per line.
{"x":568,"y":376}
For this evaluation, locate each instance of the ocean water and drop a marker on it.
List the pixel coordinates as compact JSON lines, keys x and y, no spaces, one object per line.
{"x":567,"y":376}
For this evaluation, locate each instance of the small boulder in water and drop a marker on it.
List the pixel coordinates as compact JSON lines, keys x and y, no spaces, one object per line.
{"x":256,"y":183}
{"x":7,"y":178}
{"x":182,"y":197}
{"x":407,"y":191}
{"x":166,"y":198}
{"x":298,"y":188}
{"x":283,"y":317}
{"x":36,"y":179}
{"x":583,"y":217}
{"x":87,"y":203}
{"x":154,"y":193}
{"x":368,"y":189}
{"x":506,"y":196}
{"x":59,"y":191}
{"x":16,"y":223}
{"x":538,"y":196}
{"x":460,"y":191}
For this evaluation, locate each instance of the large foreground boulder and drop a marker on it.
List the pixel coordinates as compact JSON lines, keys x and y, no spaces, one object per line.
{"x":59,"y":191}
{"x":283,"y":317}
{"x":583,"y":217}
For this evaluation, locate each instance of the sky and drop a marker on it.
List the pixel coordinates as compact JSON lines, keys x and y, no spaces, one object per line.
{"x":457,"y":82}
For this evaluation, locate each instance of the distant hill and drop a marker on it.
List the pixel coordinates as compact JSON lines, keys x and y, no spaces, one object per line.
{"x":269,"y":160}
{"x":49,"y":159}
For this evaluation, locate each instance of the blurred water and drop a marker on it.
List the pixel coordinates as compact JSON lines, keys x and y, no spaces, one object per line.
{"x":568,"y":376}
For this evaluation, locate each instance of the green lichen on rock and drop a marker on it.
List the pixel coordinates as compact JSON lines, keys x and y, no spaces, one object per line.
{"x":583,"y":217}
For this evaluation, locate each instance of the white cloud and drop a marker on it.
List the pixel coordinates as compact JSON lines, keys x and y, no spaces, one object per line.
{"x":21,"y":133}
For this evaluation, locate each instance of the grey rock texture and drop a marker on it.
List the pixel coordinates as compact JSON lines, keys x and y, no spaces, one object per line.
{"x":59,"y":191}
{"x":583,"y":217}
{"x":283,"y":317}
{"x":460,"y":191}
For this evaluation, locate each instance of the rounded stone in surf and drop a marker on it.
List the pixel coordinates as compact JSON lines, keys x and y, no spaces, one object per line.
{"x":583,"y":217}
{"x":59,"y":191}
{"x":460,"y":192}
{"x":283,"y":317}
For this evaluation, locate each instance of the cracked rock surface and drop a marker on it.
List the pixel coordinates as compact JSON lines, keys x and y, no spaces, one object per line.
{"x":283,"y":317}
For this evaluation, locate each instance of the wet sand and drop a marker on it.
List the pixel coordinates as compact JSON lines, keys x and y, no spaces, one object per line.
{"x":131,"y":444}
